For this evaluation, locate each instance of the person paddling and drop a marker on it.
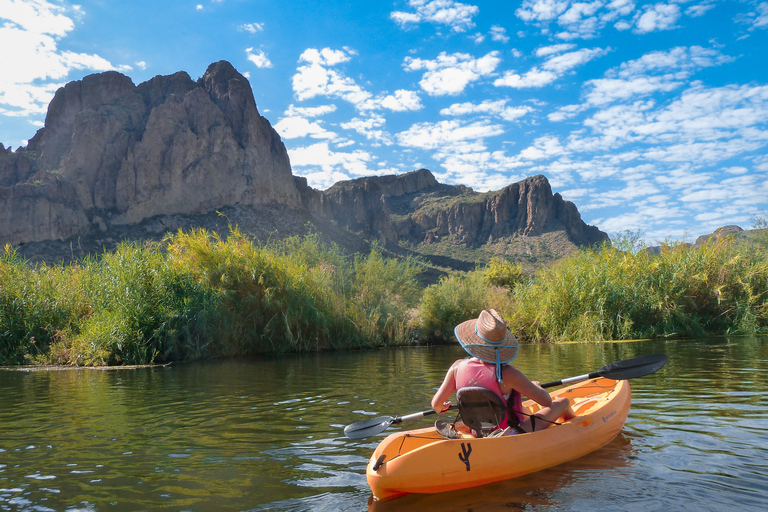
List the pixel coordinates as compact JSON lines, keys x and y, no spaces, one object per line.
{"x":492,"y":347}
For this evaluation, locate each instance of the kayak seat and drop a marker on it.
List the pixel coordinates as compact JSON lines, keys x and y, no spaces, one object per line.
{"x":480,"y":409}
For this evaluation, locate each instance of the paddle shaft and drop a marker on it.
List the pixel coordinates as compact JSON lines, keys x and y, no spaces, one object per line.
{"x":569,"y":380}
{"x":620,"y":370}
{"x":413,"y":416}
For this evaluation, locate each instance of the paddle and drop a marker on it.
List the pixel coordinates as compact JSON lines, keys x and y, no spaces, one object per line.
{"x":368,"y":428}
{"x":620,"y":370}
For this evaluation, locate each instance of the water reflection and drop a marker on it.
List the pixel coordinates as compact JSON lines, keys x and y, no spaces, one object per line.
{"x":267,"y":434}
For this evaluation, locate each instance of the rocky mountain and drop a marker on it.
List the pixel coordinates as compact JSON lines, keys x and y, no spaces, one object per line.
{"x":112,"y":153}
{"x":117,"y":161}
{"x":416,"y":209}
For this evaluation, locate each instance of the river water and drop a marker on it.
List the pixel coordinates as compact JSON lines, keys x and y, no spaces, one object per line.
{"x":267,"y":434}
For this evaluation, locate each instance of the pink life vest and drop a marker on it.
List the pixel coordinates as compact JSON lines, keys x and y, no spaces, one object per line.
{"x":473,"y":372}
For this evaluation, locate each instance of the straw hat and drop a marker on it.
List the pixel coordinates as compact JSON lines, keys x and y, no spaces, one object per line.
{"x":488,"y":339}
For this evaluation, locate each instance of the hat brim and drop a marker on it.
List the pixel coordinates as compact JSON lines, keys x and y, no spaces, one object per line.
{"x":502,"y":352}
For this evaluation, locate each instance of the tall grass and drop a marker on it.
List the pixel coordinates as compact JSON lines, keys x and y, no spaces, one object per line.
{"x":459,"y":297}
{"x":608,"y":293}
{"x":197,"y":295}
{"x":602,"y":294}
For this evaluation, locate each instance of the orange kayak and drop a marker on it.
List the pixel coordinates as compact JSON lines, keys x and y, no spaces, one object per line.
{"x":421,"y":461}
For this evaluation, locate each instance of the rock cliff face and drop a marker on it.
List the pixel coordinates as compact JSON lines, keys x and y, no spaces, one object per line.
{"x":117,"y":161}
{"x":415,"y":208}
{"x":112,"y":153}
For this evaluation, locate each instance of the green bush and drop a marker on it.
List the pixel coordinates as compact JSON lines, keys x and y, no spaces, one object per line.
{"x":197,"y":295}
{"x":456,"y":298}
{"x":605,"y":293}
{"x":500,"y":272}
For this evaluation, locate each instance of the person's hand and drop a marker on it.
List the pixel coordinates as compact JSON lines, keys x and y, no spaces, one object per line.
{"x":537,"y":383}
{"x":445,"y":407}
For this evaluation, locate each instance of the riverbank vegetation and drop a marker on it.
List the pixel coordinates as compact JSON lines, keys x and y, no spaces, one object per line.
{"x":197,"y":295}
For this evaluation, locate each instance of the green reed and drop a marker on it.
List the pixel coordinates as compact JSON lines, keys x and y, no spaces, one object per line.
{"x":605,"y":293}
{"x":461,"y":296}
{"x":197,"y":295}
{"x":608,"y":294}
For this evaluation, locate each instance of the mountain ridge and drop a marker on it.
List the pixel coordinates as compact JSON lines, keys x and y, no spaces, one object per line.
{"x":118,"y":161}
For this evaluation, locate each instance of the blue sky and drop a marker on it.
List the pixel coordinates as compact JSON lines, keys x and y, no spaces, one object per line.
{"x":651,"y":117}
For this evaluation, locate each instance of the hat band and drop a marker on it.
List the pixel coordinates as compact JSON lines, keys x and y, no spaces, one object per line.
{"x":486,"y":339}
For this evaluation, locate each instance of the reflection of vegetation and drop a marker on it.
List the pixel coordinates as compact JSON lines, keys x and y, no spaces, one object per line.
{"x":197,"y":296}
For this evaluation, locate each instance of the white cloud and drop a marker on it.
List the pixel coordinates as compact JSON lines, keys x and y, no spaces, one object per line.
{"x":566,"y":112}
{"x":454,"y":14}
{"x":533,"y":78}
{"x":660,"y":71}
{"x":701,"y":9}
{"x":618,"y":8}
{"x":541,"y":10}
{"x":404,"y":18}
{"x":315,"y":78}
{"x":497,"y":108}
{"x":499,"y":33}
{"x":576,"y":20}
{"x":703,"y":125}
{"x":546,"y":51}
{"x":323,"y":166}
{"x":252,"y":27}
{"x":401,"y":101}
{"x":586,"y":19}
{"x":608,"y":90}
{"x":370,"y":128}
{"x":294,"y":111}
{"x":657,"y":17}
{"x":543,"y":148}
{"x":295,"y":127}
{"x":434,"y":135}
{"x":562,"y":63}
{"x":450,"y":74}
{"x":32,"y":64}
{"x":552,"y":69}
{"x":259,"y":58}
{"x":579,"y":20}
{"x":296,"y":123}
{"x":762,"y":17}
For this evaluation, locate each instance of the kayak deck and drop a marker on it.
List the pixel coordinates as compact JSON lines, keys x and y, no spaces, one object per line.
{"x":421,"y":461}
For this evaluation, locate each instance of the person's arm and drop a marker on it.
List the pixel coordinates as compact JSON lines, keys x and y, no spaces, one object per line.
{"x":515,"y":379}
{"x":440,"y":402}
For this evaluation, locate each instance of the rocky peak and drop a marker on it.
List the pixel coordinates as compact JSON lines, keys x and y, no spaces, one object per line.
{"x":231,"y":92}
{"x":119,"y":153}
{"x":90,"y":93}
{"x":415,"y":208}
{"x":113,"y":157}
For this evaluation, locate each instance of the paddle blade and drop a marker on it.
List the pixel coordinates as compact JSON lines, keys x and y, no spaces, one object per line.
{"x":368,"y":428}
{"x":634,"y":367}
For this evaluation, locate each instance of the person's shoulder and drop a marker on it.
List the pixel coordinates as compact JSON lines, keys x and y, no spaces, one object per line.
{"x":511,"y":370}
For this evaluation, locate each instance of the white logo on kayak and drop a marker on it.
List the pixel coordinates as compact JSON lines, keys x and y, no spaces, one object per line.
{"x":606,"y":418}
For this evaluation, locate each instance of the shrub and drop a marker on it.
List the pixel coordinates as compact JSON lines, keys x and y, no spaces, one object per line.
{"x":600,"y":294}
